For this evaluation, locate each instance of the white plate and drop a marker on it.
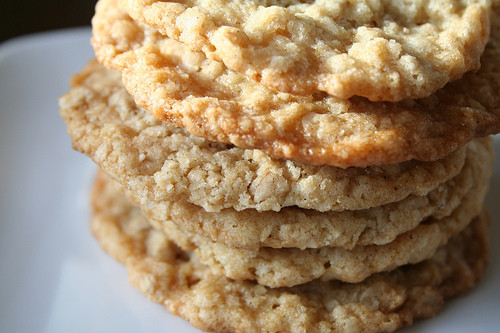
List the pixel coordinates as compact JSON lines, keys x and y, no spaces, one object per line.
{"x":53,"y":275}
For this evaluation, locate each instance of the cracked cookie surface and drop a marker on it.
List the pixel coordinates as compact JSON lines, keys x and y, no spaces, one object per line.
{"x":384,"y":50}
{"x":185,"y":88}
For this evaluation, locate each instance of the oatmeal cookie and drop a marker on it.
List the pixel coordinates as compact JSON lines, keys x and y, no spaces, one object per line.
{"x":384,"y":50}
{"x":286,"y":267}
{"x":160,"y":162}
{"x":185,"y":88}
{"x":300,"y":228}
{"x":189,"y":289}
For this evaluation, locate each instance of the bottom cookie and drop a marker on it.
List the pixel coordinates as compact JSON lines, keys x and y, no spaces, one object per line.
{"x":382,"y":302}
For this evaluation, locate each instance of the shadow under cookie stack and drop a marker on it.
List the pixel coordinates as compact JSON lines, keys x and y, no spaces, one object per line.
{"x":314,"y":167}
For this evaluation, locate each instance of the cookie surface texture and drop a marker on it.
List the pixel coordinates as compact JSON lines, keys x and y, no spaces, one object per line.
{"x":300,"y":228}
{"x":383,"y":302}
{"x":384,"y":50}
{"x":209,"y":100}
{"x":159,"y":162}
{"x":288,"y":267}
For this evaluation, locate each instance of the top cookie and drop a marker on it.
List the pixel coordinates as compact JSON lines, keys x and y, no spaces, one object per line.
{"x":189,"y":90}
{"x":384,"y":50}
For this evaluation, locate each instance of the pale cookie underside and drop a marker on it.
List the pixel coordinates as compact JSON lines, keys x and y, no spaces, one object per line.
{"x":383,"y":302}
{"x":211,"y":101}
{"x":294,"y":227}
{"x":159,"y":162}
{"x":289,"y":267}
{"x":384,"y":50}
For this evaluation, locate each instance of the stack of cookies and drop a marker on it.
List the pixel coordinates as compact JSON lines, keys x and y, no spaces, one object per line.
{"x":292,"y":166}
